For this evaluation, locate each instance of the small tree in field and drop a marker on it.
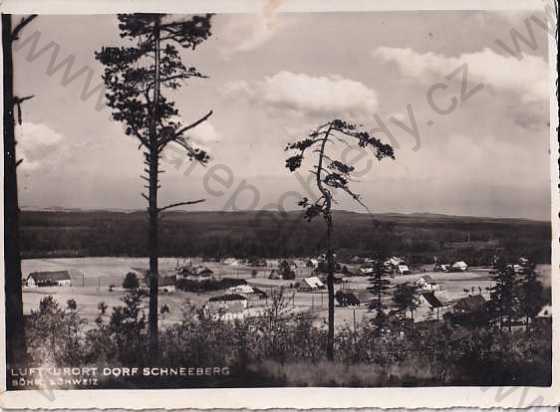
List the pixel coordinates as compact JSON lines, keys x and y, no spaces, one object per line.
{"x":379,"y":286}
{"x":331,"y":174}
{"x":503,"y":300}
{"x":131,"y":281}
{"x":405,"y":297}
{"x":135,"y":77}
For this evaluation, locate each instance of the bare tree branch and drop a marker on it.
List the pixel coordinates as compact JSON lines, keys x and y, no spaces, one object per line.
{"x":179,"y":132}
{"x":192,"y":202}
{"x":17,"y":102}
{"x":22,"y":23}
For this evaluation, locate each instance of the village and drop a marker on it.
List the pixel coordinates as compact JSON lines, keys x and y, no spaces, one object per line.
{"x":232,"y":288}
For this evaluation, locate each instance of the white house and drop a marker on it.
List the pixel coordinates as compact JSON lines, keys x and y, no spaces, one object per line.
{"x":231,"y":261}
{"x":366,"y":270}
{"x":427,"y":284}
{"x":545,"y":312}
{"x":403,"y":269}
{"x":54,"y":278}
{"x":460,"y":265}
{"x":241,"y":289}
{"x":225,"y":301}
{"x":313,"y":282}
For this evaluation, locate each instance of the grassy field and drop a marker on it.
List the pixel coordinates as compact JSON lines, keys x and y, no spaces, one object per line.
{"x":92,"y":276}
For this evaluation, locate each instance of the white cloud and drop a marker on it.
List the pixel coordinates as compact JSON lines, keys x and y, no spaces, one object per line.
{"x":304,"y":94}
{"x":204,"y":133}
{"x":38,"y":145}
{"x":244,"y":33}
{"x":527,"y":76}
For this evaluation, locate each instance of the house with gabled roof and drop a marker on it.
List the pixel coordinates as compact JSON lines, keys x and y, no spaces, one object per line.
{"x":52,"y":278}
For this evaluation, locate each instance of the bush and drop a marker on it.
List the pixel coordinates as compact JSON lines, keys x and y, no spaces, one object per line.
{"x":131,"y":281}
{"x":283,"y":348}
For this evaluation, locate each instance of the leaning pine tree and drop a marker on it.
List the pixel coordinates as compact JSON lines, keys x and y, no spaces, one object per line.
{"x":135,"y":77}
{"x":331,"y":174}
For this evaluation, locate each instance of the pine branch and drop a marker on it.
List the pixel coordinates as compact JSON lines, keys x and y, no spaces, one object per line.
{"x":17,"y":102}
{"x":173,"y":137}
{"x":193,"y":202}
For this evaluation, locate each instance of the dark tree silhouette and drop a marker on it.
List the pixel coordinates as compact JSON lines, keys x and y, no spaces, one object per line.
{"x":530,"y":292}
{"x":135,"y":76}
{"x":503,"y":299}
{"x":405,"y":297}
{"x":15,"y":336}
{"x":131,"y":281}
{"x":379,"y":286}
{"x":331,"y":174}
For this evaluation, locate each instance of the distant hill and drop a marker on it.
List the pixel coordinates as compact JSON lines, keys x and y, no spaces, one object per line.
{"x":419,"y":236}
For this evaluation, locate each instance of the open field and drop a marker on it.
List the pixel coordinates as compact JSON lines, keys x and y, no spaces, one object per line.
{"x":92,"y":276}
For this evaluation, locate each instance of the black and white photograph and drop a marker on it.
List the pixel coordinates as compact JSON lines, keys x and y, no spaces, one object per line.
{"x":277,"y":198}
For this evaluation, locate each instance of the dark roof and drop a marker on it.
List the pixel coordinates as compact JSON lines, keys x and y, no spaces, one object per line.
{"x":50,"y":276}
{"x":259,"y":292}
{"x":432,"y":300}
{"x":230,"y":297}
{"x":470,"y":303}
{"x":167,"y":281}
{"x":428,"y":279}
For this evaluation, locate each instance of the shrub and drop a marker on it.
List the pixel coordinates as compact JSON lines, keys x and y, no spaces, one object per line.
{"x":131,"y":281}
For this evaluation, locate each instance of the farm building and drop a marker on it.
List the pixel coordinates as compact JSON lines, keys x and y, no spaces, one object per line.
{"x":403,"y":270}
{"x":241,"y":290}
{"x":545,"y":312}
{"x":460,"y":266}
{"x":232,"y":261}
{"x":427,"y":283}
{"x":366,"y":269}
{"x":54,"y":278}
{"x":312,"y":282}
{"x":431,"y":299}
{"x":166,"y":284}
{"x":394,"y":261}
{"x":225,"y":301}
{"x":441,"y":267}
{"x":191,"y":272}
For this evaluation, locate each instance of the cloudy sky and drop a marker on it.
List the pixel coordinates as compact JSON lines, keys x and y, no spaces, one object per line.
{"x":478,"y":147}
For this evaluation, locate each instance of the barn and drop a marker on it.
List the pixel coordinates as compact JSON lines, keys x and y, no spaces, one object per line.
{"x":166,"y":284}
{"x":53,"y":278}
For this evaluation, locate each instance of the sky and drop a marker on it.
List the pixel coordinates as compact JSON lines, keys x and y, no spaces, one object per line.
{"x":465,"y":110}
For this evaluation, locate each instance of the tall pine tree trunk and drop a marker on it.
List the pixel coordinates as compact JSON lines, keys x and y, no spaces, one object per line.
{"x":153,"y":243}
{"x":330,"y":287}
{"x":15,"y":336}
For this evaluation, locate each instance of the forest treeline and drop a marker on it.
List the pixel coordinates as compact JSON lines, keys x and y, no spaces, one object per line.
{"x":417,"y":237}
